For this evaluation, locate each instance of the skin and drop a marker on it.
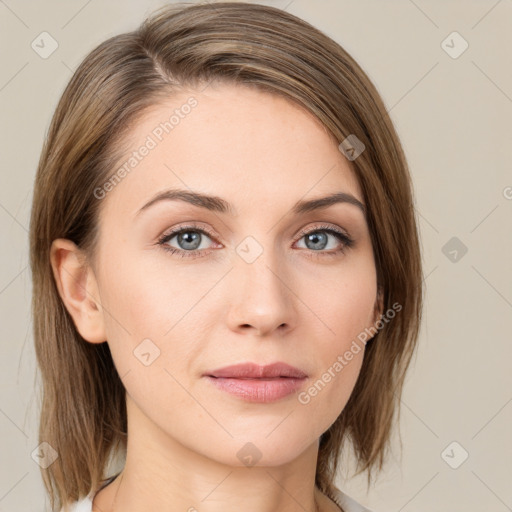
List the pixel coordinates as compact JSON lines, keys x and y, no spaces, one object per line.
{"x":261,"y":153}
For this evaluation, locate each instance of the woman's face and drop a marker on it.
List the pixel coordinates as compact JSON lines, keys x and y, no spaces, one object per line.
{"x":245,"y":282}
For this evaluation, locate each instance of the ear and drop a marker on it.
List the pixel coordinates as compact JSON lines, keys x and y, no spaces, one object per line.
{"x":78,"y":289}
{"x":378,"y":310}
{"x":379,"y":305}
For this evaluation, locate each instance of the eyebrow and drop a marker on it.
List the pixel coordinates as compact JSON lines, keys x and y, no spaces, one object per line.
{"x":217,"y":204}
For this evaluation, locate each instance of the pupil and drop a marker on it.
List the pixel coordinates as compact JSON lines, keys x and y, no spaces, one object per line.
{"x":190,"y":237}
{"x":315,"y":237}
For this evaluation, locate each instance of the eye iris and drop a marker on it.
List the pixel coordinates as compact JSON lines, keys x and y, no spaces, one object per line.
{"x":314,"y":237}
{"x":190,"y":237}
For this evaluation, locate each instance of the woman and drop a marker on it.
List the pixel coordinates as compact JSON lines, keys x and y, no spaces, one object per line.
{"x":227,"y":281}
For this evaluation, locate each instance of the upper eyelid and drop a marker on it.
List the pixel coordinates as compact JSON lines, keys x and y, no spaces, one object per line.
{"x":190,"y":227}
{"x":302,"y":232}
{"x":323,"y":227}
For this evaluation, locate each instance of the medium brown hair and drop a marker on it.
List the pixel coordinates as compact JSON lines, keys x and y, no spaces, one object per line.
{"x":83,"y":410}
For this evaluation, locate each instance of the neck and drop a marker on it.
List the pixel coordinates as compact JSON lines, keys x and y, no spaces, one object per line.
{"x":161,"y":473}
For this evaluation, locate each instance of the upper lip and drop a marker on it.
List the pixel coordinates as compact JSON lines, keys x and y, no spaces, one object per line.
{"x":255,"y":371}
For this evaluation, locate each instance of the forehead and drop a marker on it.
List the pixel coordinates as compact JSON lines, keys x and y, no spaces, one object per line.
{"x":249,"y":146}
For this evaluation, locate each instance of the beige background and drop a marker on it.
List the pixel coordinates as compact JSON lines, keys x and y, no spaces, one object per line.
{"x":454,"y":117}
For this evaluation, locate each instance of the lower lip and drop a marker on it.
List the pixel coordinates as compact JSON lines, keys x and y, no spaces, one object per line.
{"x":258,"y":390}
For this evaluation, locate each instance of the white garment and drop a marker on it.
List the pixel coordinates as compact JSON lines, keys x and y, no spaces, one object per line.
{"x":347,"y":503}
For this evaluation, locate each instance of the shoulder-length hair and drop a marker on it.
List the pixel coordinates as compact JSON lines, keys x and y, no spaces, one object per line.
{"x":83,"y":411}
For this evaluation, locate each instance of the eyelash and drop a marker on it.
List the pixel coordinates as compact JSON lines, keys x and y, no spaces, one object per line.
{"x":342,"y":237}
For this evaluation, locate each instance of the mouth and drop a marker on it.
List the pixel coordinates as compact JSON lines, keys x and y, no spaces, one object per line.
{"x":255,"y":383}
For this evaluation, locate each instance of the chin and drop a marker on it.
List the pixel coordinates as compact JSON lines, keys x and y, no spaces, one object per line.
{"x":259,"y":450}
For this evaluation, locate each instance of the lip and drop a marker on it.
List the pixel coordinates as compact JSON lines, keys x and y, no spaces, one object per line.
{"x":256,"y":371}
{"x":256,"y":383}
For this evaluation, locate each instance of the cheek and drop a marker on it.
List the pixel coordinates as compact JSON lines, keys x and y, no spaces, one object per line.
{"x":134,"y":304}
{"x":151,"y":315}
{"x":342,"y":302}
{"x":142,"y":313}
{"x":140,"y":296}
{"x":343,"y":309}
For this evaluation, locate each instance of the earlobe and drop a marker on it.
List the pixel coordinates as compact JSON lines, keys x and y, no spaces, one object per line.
{"x":78,"y":289}
{"x":378,"y":310}
{"x":379,"y":306}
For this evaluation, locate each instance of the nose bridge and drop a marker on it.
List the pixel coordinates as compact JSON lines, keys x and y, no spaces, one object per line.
{"x":261,"y":295}
{"x":259,"y":265}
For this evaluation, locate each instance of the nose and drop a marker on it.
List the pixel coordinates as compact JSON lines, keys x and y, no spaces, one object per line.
{"x":262,"y":298}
